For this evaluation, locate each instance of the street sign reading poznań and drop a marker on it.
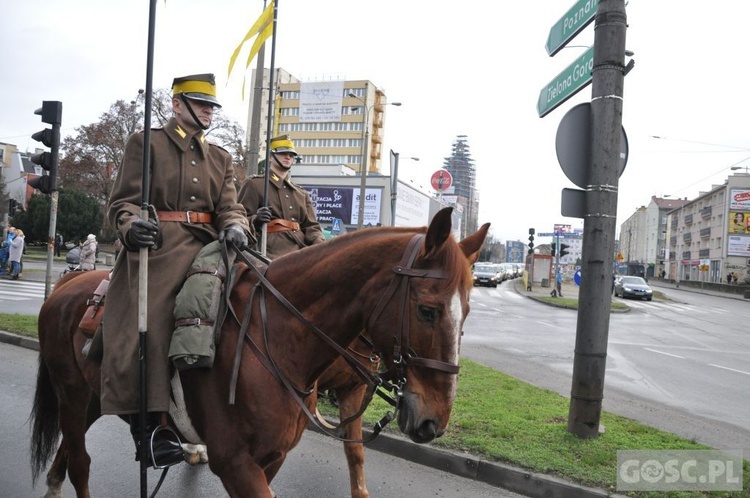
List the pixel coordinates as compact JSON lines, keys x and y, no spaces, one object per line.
{"x":578,"y":17}
{"x":566,"y":84}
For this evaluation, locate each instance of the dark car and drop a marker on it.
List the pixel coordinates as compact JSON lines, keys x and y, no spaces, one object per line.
{"x":486,"y":274}
{"x":633,"y":287}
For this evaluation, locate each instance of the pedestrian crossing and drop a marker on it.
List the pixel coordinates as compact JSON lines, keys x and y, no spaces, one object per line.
{"x":20,"y":290}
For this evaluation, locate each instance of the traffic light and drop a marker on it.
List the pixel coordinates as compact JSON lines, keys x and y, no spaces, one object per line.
{"x":51,"y":112}
{"x":563,"y":250}
{"x":531,"y":240}
{"x":554,"y":246}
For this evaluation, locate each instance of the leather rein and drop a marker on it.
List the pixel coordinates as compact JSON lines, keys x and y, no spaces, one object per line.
{"x":391,"y":381}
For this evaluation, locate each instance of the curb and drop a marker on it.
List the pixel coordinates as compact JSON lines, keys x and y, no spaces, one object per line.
{"x":464,"y":465}
{"x":470,"y":466}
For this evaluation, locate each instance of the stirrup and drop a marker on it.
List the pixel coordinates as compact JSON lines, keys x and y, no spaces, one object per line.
{"x":170,"y":453}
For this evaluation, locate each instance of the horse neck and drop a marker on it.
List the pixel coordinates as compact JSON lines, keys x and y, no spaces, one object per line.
{"x":335,"y":290}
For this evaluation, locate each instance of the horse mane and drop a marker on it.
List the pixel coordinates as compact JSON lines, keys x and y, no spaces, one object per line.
{"x":448,"y":255}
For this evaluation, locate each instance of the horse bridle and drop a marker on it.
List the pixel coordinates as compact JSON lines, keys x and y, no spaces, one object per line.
{"x":403,"y":355}
{"x":392,"y":381}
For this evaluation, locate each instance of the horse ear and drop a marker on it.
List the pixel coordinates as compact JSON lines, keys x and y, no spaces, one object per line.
{"x":472,"y":244}
{"x":439,"y":229}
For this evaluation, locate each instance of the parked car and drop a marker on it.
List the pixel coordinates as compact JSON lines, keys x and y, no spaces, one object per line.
{"x":486,"y":274}
{"x":633,"y":287}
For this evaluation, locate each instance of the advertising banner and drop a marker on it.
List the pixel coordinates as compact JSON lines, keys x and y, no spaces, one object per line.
{"x":343,"y":202}
{"x":739,"y":222}
{"x":515,"y":251}
{"x":739,"y":245}
{"x":321,"y":101}
{"x":739,"y":200}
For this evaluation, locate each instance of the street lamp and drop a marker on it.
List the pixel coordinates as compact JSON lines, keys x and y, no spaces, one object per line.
{"x":364,"y":167}
{"x":394,"y":185}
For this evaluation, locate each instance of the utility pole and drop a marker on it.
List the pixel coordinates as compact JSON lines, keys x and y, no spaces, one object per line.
{"x":254,"y":137}
{"x":599,"y":226}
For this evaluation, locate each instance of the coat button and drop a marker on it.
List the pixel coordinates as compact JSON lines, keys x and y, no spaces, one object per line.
{"x":193,"y":163}
{"x":192,"y":147}
{"x":195,"y":180}
{"x":192,"y":197}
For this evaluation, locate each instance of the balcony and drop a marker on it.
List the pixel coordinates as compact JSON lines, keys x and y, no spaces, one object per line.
{"x":688,"y":219}
{"x":687,"y":237}
{"x":672,"y":255}
{"x":686,"y":255}
{"x":705,"y":233}
{"x":672,"y":241}
{"x":706,"y":212}
{"x":703,"y":253}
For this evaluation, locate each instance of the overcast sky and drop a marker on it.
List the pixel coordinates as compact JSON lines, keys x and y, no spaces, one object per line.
{"x":472,"y":68}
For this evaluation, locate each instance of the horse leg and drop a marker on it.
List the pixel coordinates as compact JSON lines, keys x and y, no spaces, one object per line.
{"x":350,"y":400}
{"x":241,"y":476}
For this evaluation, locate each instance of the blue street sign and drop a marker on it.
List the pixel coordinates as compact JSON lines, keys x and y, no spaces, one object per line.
{"x":336,"y":228}
{"x":577,"y":277}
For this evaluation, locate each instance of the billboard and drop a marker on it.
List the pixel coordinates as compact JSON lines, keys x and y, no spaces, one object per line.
{"x":739,"y":222}
{"x":343,"y":202}
{"x":739,"y":200}
{"x":321,"y":101}
{"x":739,"y":245}
{"x":515,"y":251}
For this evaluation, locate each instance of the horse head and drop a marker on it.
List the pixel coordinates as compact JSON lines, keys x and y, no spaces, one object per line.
{"x":420,"y":335}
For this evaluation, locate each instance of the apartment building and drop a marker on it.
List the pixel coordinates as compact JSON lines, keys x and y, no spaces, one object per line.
{"x":709,"y":236}
{"x":329,"y":121}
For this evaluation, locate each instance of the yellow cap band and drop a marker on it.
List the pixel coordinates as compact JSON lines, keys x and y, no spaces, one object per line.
{"x":195,"y":87}
{"x":285,"y":142}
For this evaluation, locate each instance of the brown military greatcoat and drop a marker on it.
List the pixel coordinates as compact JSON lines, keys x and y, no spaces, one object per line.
{"x":288,"y":201}
{"x":187,"y":174}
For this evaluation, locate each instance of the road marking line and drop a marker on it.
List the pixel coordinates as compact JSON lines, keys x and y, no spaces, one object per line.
{"x":666,"y":354}
{"x":730,"y":369}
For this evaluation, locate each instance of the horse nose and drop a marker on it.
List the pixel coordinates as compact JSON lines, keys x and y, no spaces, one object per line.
{"x":427,"y":431}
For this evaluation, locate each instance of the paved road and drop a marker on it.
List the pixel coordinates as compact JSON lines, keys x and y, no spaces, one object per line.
{"x":680,"y":366}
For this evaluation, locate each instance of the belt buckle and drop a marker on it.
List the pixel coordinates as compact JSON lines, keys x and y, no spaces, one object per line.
{"x":187,"y":215}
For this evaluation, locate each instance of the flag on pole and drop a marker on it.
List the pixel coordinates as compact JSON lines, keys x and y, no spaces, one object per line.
{"x":261,"y":30}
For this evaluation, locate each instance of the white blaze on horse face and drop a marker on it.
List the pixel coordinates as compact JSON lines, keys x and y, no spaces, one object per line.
{"x":456,"y":313}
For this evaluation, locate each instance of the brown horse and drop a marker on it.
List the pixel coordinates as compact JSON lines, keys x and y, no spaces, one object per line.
{"x":408,"y":288}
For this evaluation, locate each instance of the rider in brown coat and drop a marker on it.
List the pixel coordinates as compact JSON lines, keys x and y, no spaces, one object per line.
{"x":195,"y":200}
{"x":290,"y":215}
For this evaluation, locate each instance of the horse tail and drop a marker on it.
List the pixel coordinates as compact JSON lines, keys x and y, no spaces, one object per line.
{"x":45,"y":421}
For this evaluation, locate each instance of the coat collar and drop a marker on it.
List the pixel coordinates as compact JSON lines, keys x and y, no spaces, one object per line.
{"x":182,"y":139}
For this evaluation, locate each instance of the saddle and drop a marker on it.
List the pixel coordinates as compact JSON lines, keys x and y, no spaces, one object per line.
{"x":92,"y":318}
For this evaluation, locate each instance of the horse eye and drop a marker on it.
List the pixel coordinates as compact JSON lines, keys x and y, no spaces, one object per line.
{"x":427,"y":314}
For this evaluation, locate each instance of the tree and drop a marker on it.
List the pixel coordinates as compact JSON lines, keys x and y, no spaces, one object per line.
{"x":78,"y":215}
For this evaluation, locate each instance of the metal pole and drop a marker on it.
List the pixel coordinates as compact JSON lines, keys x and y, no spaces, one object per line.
{"x":269,"y":124}
{"x":143,"y":253}
{"x":599,"y":225}
{"x":363,"y":169}
{"x":394,"y":187}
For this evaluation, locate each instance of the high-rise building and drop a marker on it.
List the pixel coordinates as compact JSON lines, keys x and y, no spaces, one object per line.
{"x":461,"y":167}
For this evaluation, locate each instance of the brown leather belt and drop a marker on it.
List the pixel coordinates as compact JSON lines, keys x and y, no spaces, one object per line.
{"x":185,"y":216}
{"x":279,"y":225}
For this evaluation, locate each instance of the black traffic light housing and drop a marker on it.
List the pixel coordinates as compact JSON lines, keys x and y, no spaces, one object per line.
{"x":531,"y":240}
{"x":51,"y":112}
{"x":554,"y":247}
{"x":563,"y":250}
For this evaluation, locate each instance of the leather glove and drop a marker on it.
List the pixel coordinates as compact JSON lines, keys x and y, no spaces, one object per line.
{"x":263,"y":215}
{"x":142,"y":233}
{"x":234,"y":233}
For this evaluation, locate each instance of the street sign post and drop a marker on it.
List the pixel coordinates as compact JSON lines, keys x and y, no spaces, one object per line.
{"x":578,"y":17}
{"x":566,"y":84}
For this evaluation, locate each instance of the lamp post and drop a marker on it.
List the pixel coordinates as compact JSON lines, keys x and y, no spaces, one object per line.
{"x":364,"y":167}
{"x":394,"y":185}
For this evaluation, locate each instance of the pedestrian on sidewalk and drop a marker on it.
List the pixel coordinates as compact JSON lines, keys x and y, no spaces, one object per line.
{"x":88,"y":253}
{"x":16,"y":253}
{"x":559,"y":283}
